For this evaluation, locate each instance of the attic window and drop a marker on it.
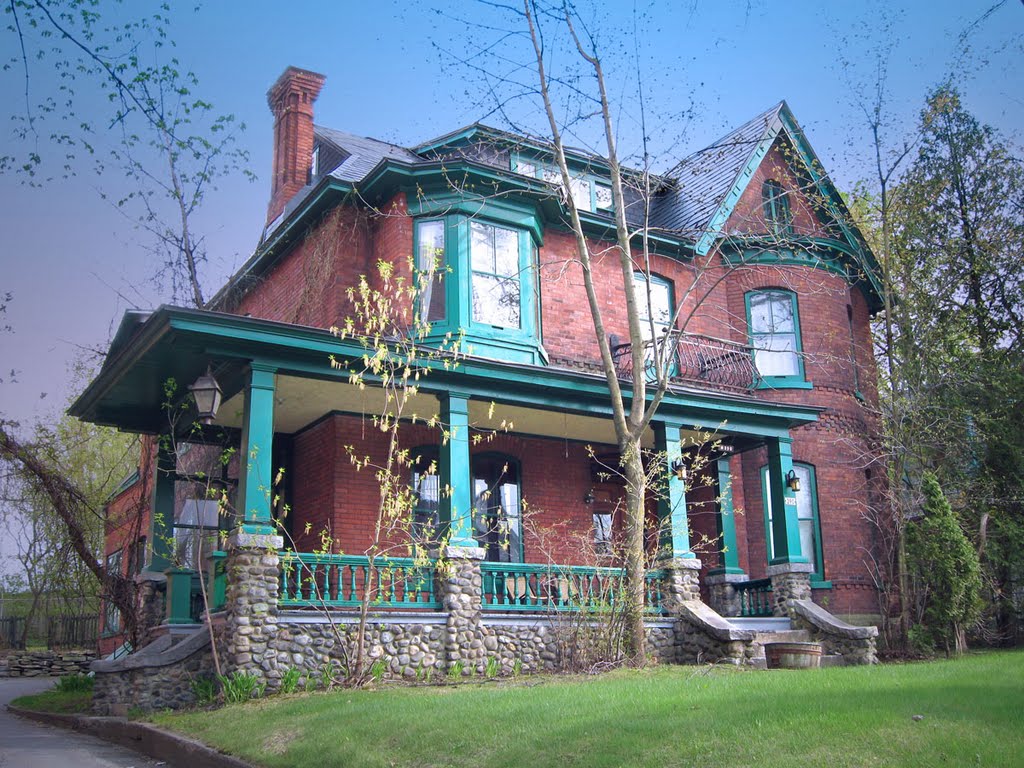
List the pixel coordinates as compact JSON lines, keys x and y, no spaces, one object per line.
{"x":314,"y":163}
{"x":776,"y":208}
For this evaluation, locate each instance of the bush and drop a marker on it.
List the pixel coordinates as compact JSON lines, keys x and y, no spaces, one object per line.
{"x":946,"y":573}
{"x":75,"y":684}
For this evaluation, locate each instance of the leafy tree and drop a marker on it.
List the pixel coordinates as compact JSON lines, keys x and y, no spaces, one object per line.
{"x":946,"y":572}
{"x":157,"y":148}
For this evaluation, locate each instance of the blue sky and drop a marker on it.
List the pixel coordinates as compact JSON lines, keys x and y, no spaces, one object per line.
{"x":74,"y":264}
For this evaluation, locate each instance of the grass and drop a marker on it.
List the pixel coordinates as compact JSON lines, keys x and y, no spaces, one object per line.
{"x":666,"y":716}
{"x":61,"y":702}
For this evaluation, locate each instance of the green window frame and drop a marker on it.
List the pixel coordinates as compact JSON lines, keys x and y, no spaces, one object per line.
{"x":808,"y":519}
{"x":777,"y":212}
{"x":478,"y":280}
{"x":773,"y":326}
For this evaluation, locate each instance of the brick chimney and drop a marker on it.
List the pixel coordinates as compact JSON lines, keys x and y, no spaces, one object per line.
{"x":291,"y":100}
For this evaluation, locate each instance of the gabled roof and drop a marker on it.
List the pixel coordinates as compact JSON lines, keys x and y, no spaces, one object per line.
{"x":703,"y":180}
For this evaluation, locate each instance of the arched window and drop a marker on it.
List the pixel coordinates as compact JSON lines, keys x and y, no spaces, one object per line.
{"x":774,"y":324}
{"x":776,"y":208}
{"x":497,"y":517}
{"x":807,"y":518}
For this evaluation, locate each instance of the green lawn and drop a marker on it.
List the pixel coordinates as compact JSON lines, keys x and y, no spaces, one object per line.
{"x":973,"y":714}
{"x":62,"y":702}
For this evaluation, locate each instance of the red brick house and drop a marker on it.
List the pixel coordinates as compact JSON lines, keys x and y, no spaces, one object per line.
{"x":774,"y":392}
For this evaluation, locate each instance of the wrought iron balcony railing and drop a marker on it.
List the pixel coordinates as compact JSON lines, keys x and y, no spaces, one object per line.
{"x":695,"y":359}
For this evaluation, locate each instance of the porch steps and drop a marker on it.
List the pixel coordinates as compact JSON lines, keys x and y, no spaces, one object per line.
{"x":778,"y":630}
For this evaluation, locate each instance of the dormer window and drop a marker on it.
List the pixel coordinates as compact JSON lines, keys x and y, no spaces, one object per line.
{"x":314,"y":163}
{"x":588,"y":192}
{"x":777,"y":213}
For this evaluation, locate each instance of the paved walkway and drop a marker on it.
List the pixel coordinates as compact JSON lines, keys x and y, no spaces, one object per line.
{"x":28,"y":744}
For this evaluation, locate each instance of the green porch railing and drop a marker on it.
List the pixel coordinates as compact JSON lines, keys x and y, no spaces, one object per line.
{"x":540,"y":587}
{"x":755,"y":597}
{"x":341,"y":581}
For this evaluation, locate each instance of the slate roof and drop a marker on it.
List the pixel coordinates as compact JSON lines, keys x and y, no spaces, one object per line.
{"x":703,"y":179}
{"x":693,"y":192}
{"x":363,"y":153}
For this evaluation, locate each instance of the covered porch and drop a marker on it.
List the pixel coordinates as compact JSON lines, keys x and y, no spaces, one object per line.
{"x":286,"y":407}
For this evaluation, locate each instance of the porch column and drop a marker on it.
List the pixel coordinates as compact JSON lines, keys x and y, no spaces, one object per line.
{"x":785,"y":525}
{"x":456,"y":502}
{"x":788,"y":567}
{"x":254,"y":488}
{"x":253,"y":567}
{"x":721,"y":593}
{"x":161,"y":523}
{"x":674,"y":532}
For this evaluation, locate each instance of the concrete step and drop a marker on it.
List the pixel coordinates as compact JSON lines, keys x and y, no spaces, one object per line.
{"x":785,"y":636}
{"x":761,"y":623}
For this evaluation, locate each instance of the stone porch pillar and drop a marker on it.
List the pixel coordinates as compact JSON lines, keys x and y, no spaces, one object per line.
{"x":250,"y":609}
{"x":681,"y":583}
{"x":253,"y":566}
{"x":461,"y":590}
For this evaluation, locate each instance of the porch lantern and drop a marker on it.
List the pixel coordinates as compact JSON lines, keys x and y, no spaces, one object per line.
{"x":793,"y":481}
{"x":589,"y":498}
{"x":207,"y":394}
{"x":679,"y":469}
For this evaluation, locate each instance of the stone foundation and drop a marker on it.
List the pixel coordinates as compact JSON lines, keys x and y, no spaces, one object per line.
{"x":48,"y":663}
{"x":461,"y":590}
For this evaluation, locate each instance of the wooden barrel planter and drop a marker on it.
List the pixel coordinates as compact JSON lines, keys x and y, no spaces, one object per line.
{"x":793,"y":655}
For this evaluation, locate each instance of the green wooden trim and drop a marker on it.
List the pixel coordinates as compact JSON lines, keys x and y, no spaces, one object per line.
{"x":728,"y":551}
{"x":161,"y":519}
{"x":785,"y":527}
{"x":456,"y":478}
{"x":179,"y":595}
{"x":327,"y":581}
{"x":817,"y":577}
{"x":255,"y":484}
{"x":177,"y":334}
{"x":799,"y":380}
{"x":673,"y":524}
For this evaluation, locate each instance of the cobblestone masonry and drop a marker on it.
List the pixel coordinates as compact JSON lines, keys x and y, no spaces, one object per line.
{"x":461,"y":589}
{"x":722,"y":595}
{"x":250,"y":620}
{"x":789,"y":582}
{"x":151,"y":596}
{"x":856,"y":645}
{"x":160,"y":676}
